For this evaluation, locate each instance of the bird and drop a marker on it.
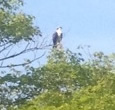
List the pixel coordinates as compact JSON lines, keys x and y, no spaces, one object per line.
{"x":57,"y":38}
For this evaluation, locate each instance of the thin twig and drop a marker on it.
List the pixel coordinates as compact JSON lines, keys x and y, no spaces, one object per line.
{"x":23,"y":64}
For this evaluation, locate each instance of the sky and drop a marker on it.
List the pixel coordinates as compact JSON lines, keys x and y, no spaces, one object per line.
{"x":84,"y":22}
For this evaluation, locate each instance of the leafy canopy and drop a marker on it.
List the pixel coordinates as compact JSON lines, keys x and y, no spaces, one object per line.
{"x":69,"y":84}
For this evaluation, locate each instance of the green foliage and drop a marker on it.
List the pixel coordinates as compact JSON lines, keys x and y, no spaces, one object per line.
{"x":10,"y":5}
{"x":15,"y":25}
{"x":63,"y":71}
{"x":70,"y":84}
{"x":67,"y":82}
{"x":98,"y":97}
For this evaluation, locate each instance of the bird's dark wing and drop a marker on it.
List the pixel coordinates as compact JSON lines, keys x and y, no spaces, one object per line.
{"x":61,"y":36}
{"x":55,"y":37}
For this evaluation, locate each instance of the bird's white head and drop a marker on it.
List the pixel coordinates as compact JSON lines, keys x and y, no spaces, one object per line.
{"x":59,"y":31}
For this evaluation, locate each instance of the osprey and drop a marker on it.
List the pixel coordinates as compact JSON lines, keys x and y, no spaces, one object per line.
{"x":57,"y":37}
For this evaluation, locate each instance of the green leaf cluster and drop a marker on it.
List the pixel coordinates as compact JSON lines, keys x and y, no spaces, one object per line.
{"x":70,"y":83}
{"x":14,"y":24}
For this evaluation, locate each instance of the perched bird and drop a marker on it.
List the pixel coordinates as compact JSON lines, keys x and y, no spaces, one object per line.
{"x":57,"y":37}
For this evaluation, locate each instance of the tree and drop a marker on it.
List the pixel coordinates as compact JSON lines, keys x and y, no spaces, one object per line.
{"x":18,"y":36}
{"x":59,"y":77}
{"x":98,"y":97}
{"x":16,"y":88}
{"x":16,"y":29}
{"x":55,"y":84}
{"x":69,"y":84}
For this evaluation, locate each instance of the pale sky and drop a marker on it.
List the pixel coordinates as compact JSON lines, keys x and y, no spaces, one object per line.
{"x":85,"y":22}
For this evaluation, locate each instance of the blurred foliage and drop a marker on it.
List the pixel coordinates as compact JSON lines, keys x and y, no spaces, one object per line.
{"x":68,"y":82}
{"x":14,"y":24}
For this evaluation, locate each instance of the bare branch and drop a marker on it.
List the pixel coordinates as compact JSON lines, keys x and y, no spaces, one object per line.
{"x":23,"y":64}
{"x":5,"y":48}
{"x":28,"y":47}
{"x":6,"y":54}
